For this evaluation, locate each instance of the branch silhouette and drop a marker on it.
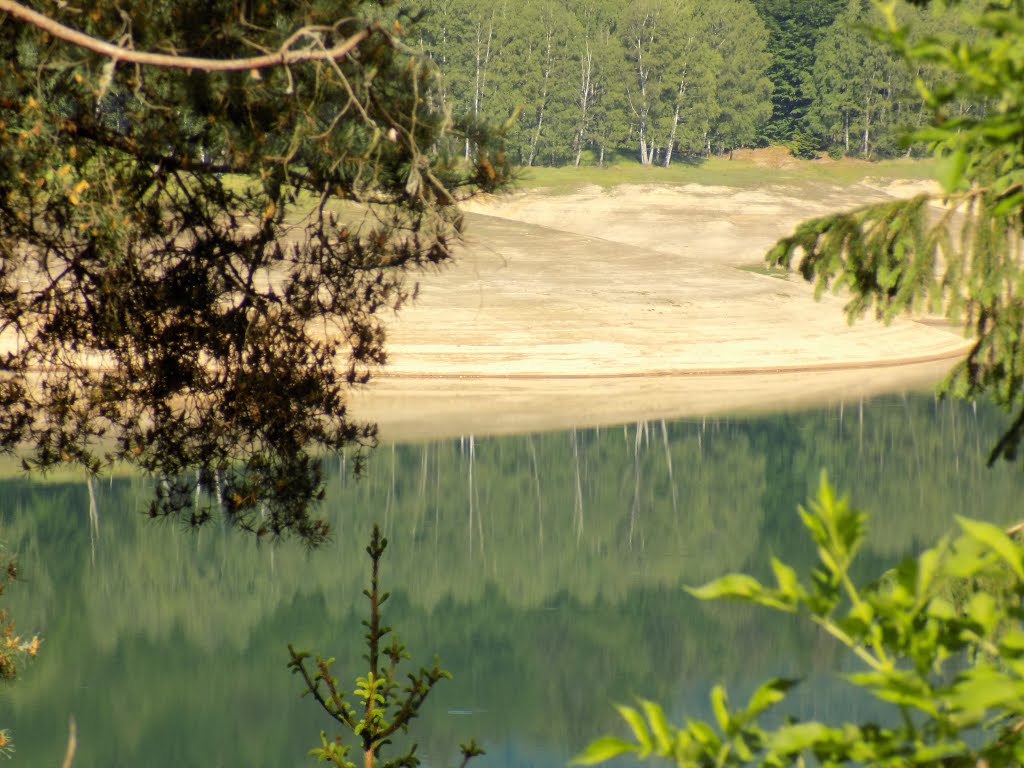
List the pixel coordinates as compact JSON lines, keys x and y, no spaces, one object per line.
{"x":282,"y":57}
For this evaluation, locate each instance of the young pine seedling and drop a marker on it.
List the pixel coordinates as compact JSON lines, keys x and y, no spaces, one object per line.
{"x":382,"y":705}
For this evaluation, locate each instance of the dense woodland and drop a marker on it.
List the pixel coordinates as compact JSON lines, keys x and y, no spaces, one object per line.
{"x":659,"y":80}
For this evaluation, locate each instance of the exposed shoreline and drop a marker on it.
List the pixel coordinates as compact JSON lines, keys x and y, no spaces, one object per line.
{"x":605,"y":306}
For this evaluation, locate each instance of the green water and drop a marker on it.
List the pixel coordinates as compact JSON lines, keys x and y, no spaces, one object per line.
{"x":545,"y":570}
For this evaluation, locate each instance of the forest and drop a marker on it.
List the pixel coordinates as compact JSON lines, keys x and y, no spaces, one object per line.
{"x":657,"y":81}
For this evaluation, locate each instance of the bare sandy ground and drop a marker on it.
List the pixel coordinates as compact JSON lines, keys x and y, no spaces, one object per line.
{"x":636,"y":302}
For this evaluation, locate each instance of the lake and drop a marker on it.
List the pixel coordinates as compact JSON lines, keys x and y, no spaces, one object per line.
{"x":545,"y":570}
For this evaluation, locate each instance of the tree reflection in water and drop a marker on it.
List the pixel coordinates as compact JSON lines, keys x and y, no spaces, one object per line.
{"x":541,"y":626}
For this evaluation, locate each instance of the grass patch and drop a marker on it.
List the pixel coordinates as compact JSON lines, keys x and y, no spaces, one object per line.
{"x":765,"y":269}
{"x":741,"y":173}
{"x":717,"y":171}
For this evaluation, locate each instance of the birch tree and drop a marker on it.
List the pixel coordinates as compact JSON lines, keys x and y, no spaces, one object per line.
{"x":689,"y":65}
{"x":535,"y":77}
{"x":639,"y":30}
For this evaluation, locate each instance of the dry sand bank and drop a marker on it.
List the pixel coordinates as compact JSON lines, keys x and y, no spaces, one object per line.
{"x":605,"y":306}
{"x":636,"y":302}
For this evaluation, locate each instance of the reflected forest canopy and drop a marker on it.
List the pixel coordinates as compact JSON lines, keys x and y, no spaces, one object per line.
{"x":194,"y":262}
{"x":541,"y":581}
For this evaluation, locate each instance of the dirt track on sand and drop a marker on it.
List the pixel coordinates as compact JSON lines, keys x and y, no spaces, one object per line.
{"x":605,"y":306}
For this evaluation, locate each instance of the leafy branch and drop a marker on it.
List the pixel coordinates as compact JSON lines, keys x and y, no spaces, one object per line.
{"x":940,"y":636}
{"x":282,"y":57}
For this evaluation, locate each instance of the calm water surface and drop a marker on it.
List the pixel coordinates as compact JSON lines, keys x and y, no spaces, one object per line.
{"x":545,"y":570}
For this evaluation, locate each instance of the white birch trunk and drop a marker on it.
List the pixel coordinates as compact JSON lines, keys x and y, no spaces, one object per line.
{"x":586,"y":93}
{"x":535,"y":139}
{"x":482,"y":58}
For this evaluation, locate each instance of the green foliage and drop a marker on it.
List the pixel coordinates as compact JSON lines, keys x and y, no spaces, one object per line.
{"x":794,"y":27}
{"x":962,"y":259}
{"x":193,"y":264}
{"x":939,"y":637}
{"x":659,"y":77}
{"x":663,"y":79}
{"x":383,"y":708}
{"x":14,"y":649}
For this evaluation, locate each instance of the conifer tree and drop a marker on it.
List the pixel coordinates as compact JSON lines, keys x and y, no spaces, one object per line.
{"x":204,"y":208}
{"x":794,"y":27}
{"x":740,"y":41}
{"x":958,"y":252}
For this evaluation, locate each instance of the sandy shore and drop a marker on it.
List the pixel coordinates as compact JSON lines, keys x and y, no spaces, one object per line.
{"x":637,"y":302}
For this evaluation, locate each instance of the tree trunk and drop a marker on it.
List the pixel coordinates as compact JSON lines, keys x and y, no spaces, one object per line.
{"x":867,"y":126}
{"x":586,"y":91}
{"x":680,"y":96}
{"x":483,"y":57}
{"x":671,"y":137}
{"x":535,"y":139}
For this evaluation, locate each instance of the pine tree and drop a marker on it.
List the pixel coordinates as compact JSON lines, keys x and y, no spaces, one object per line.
{"x":740,"y":40}
{"x":794,"y":27}
{"x":196,"y":246}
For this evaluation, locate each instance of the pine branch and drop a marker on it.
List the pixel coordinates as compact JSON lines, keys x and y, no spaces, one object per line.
{"x":280,"y":58}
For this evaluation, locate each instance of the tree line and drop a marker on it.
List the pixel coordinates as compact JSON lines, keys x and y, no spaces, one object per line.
{"x":584,"y":80}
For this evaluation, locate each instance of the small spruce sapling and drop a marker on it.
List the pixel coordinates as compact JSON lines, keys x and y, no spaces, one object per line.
{"x":383,"y":705}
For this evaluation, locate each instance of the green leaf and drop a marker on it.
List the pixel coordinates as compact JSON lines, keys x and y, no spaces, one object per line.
{"x":984,"y":688}
{"x":981,"y":608}
{"x":735,"y":585}
{"x":742,"y":750}
{"x":601,"y":750}
{"x":788,"y":584}
{"x":663,"y":732}
{"x":940,"y":608}
{"x":702,"y":732}
{"x":927,"y":567}
{"x":639,"y":728}
{"x":1012,"y":642}
{"x":790,"y":739}
{"x":997,"y":540}
{"x":898,"y":686}
{"x":720,"y":706}
{"x":933,"y":753}
{"x":768,"y":694}
{"x":966,"y":559}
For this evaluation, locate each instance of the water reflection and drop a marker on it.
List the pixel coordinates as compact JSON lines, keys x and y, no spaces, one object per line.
{"x":546,"y":570}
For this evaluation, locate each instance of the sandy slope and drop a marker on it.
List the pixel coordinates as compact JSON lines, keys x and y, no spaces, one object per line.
{"x":612,"y":305}
{"x":606,"y":306}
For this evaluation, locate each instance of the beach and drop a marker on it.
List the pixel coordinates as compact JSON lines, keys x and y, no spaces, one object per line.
{"x":609,"y":305}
